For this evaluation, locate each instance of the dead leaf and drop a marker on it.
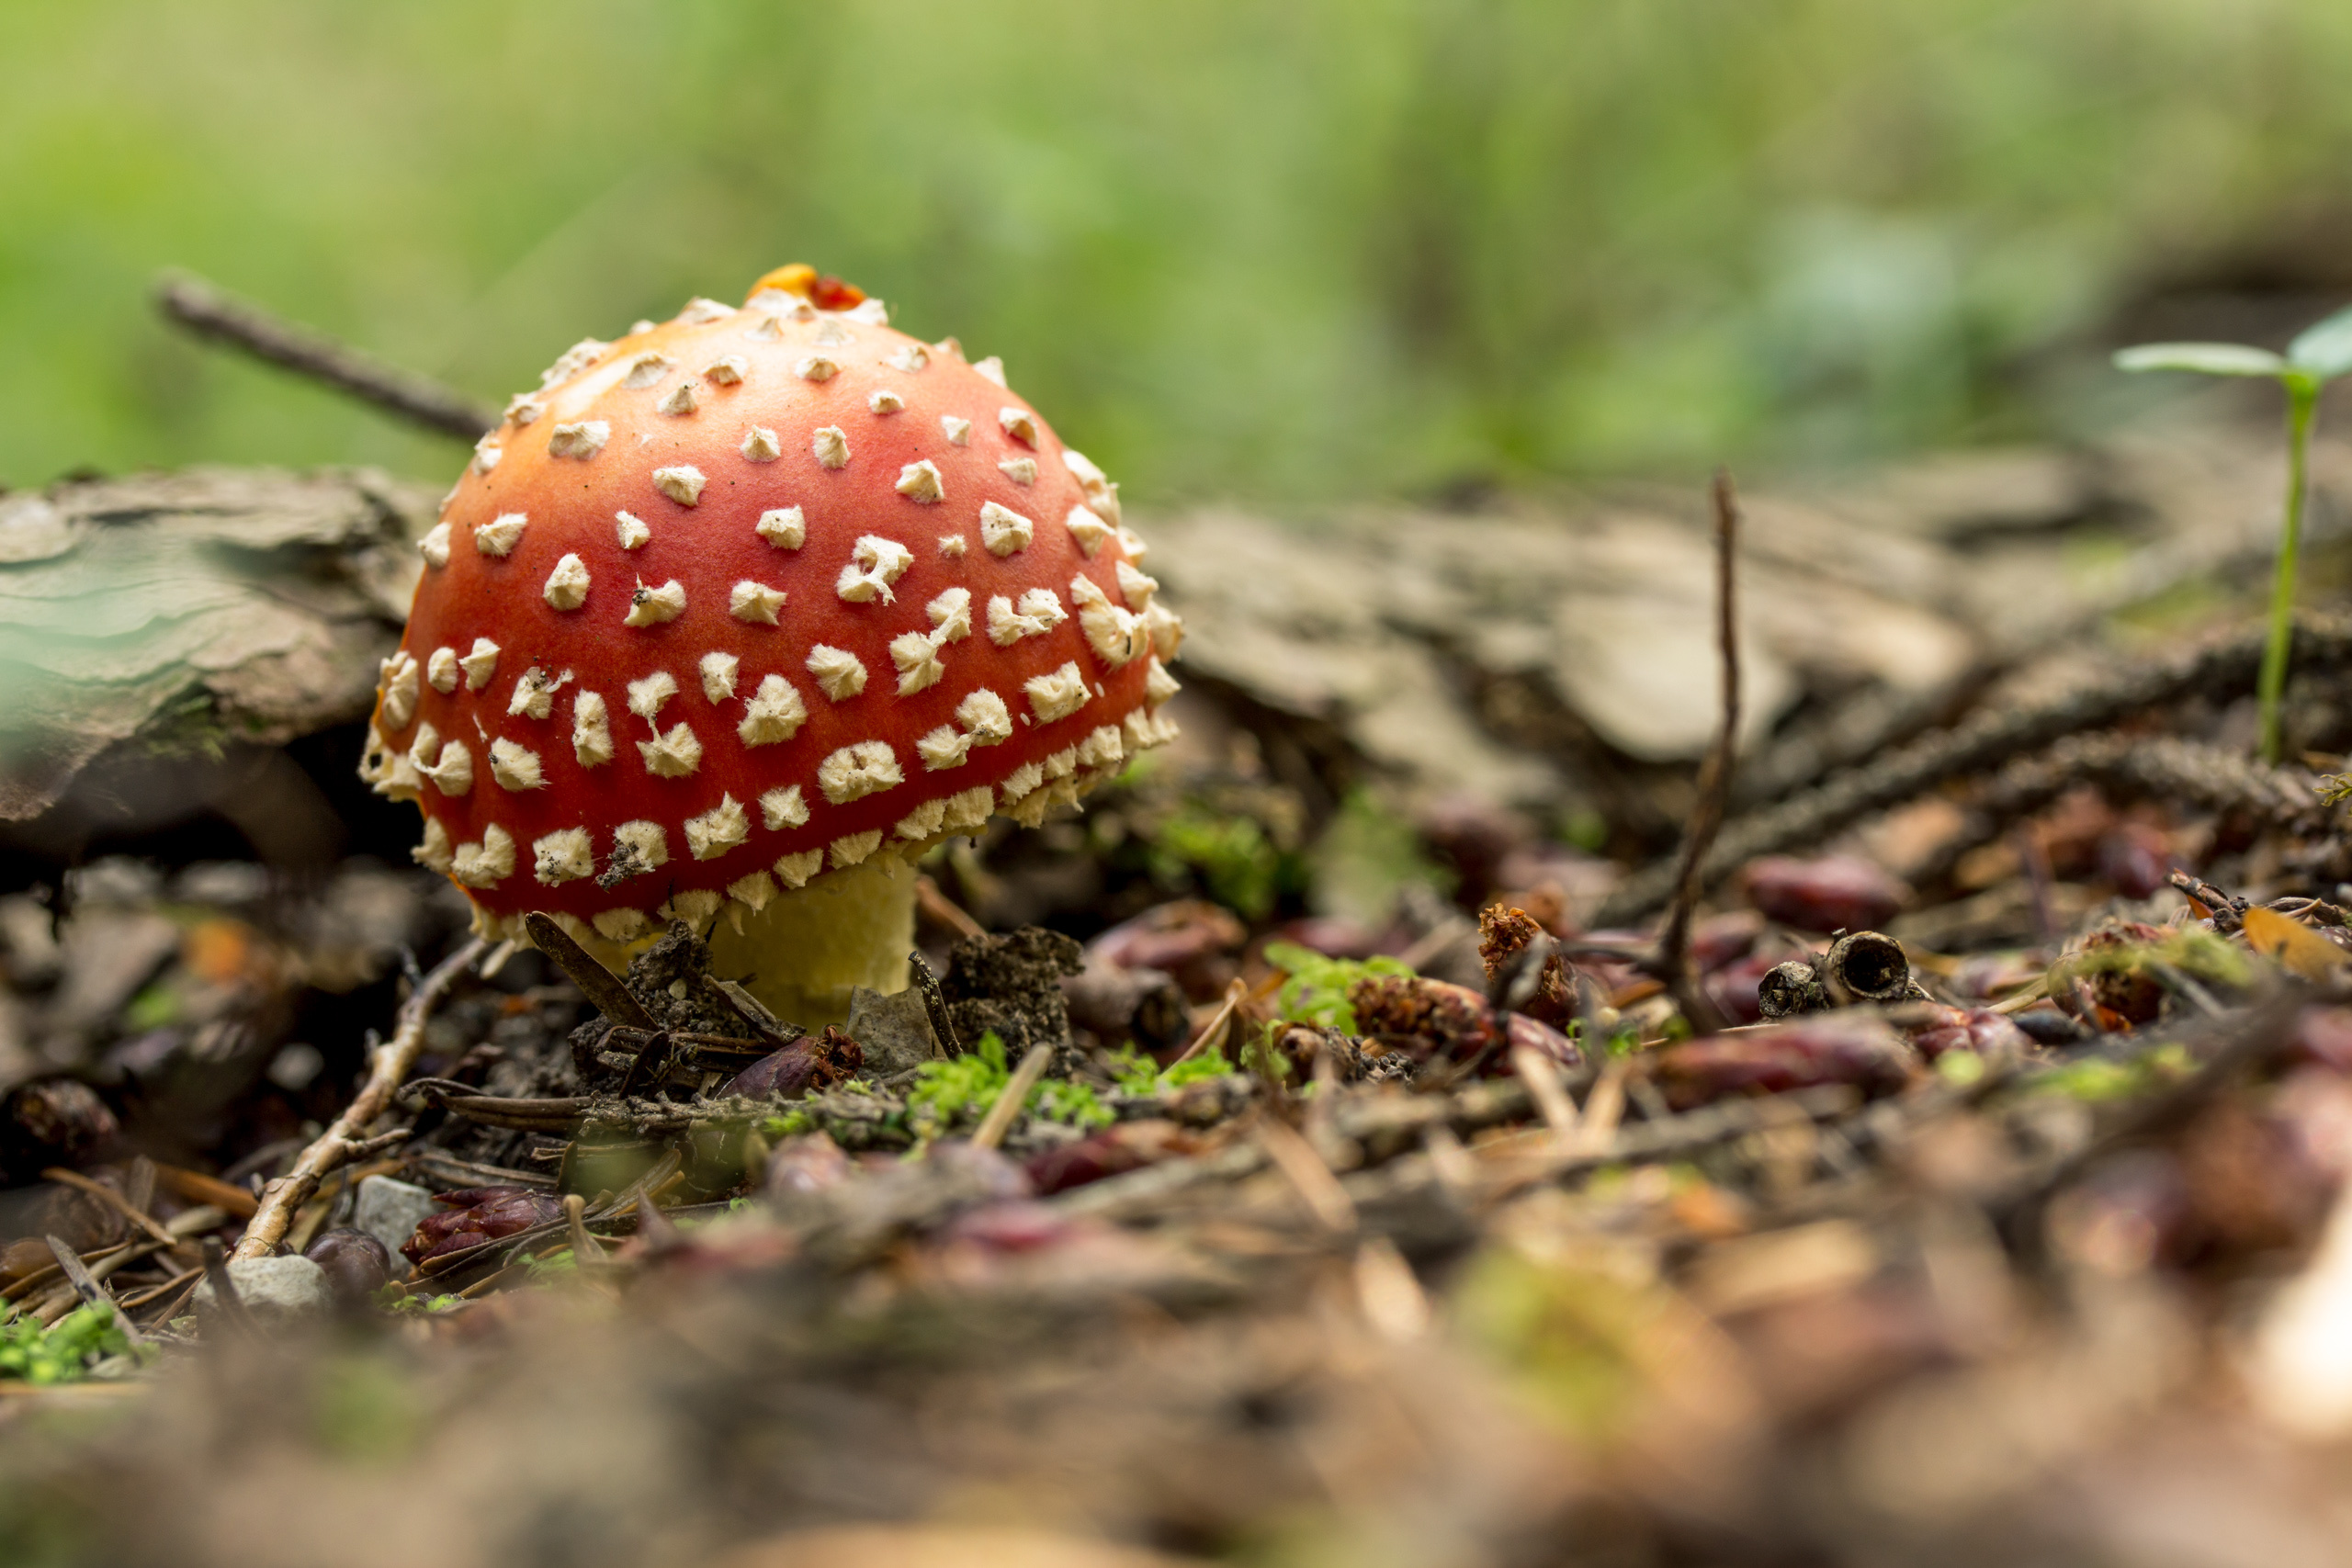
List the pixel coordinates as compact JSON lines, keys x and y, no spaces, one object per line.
{"x":2294,"y":946}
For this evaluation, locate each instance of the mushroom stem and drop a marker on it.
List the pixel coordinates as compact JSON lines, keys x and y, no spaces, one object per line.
{"x":809,"y":949}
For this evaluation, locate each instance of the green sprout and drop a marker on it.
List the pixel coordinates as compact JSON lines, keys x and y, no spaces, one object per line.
{"x":2318,"y":355}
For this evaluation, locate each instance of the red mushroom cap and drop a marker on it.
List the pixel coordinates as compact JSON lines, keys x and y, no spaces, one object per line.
{"x":747,"y":596}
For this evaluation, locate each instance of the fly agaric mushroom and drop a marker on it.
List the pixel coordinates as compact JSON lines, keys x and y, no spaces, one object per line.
{"x":734,"y":616}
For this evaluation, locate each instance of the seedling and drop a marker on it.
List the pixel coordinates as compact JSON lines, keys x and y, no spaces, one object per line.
{"x":2321,"y":354}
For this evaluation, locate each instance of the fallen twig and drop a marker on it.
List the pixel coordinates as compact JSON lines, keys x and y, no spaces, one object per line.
{"x":2228,"y":908}
{"x":940,"y":908}
{"x":1550,"y":1095}
{"x":999,"y":1121}
{"x":1236,"y":992}
{"x":387,"y":1065}
{"x":1295,"y":1158}
{"x":1714,"y":778}
{"x":211,"y":314}
{"x":93,"y":1293}
{"x":113,"y":1200}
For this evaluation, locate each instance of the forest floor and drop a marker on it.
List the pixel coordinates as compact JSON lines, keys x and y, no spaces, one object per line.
{"x":1435,"y":1159}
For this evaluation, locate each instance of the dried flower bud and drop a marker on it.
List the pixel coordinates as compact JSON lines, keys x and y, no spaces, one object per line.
{"x":479,"y":1214}
{"x":1503,"y":936}
{"x":1421,"y":1018}
{"x":1428,"y":1017}
{"x":2111,"y":967}
{"x":811,"y":1062}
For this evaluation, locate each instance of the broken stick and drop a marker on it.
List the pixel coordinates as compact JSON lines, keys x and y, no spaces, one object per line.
{"x":1715,"y":779}
{"x":386,"y":1069}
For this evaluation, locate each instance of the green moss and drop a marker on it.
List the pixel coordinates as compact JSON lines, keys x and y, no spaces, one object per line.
{"x":961,"y":1090}
{"x":63,"y":1351}
{"x":1317,"y":991}
{"x":791,"y":1124}
{"x":1234,"y":859}
{"x":1139,"y":1076}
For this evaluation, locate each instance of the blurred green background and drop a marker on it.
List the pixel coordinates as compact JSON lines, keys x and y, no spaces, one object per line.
{"x":1313,"y":249}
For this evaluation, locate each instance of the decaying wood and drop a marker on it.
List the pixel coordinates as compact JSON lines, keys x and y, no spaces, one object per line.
{"x":180,"y":612}
{"x":1980,"y":744}
{"x":2126,"y":767}
{"x":388,"y":1066}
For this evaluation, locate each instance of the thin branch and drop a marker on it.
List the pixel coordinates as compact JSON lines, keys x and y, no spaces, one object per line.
{"x":999,"y":1121}
{"x":209,"y":313}
{"x":1236,"y":992}
{"x":940,"y":908}
{"x":387,"y":1068}
{"x":93,"y":1292}
{"x":1714,"y":777}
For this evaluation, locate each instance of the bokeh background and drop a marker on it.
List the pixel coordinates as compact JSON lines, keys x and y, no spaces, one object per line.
{"x":1316,"y":250}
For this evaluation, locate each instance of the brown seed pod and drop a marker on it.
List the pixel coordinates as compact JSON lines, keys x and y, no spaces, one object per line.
{"x":1790,"y":989}
{"x":1866,"y":966}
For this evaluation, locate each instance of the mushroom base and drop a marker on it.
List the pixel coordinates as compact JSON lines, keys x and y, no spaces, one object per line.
{"x":806,"y":951}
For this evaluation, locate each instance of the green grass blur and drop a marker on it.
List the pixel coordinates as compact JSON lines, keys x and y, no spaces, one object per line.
{"x":1306,"y":249}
